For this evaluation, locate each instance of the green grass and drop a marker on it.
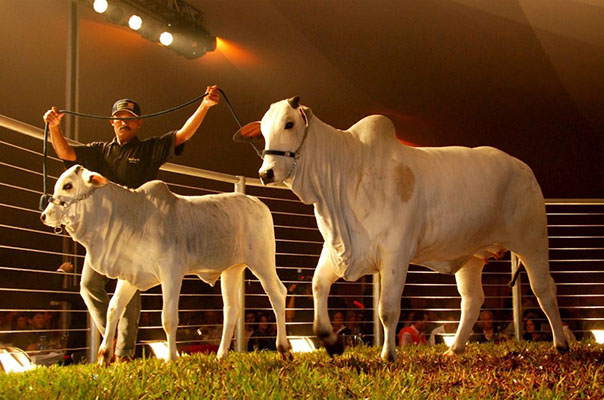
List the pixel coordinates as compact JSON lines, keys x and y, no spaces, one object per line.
{"x":507,"y":371}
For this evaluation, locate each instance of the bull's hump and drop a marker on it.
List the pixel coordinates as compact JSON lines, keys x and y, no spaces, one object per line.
{"x":374,"y":127}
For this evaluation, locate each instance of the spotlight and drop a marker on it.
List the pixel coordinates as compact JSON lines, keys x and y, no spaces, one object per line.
{"x":598,"y":335}
{"x":116,"y":15}
{"x":301,"y":344}
{"x":100,"y":6}
{"x":13,"y":359}
{"x":160,"y":349}
{"x":135,"y":22}
{"x":166,"y":38}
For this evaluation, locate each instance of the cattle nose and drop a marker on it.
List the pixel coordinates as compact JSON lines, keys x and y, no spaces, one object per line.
{"x":267,"y":176}
{"x":43,"y":217}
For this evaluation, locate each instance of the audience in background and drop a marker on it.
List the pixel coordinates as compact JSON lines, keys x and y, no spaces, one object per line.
{"x":415,"y":333}
{"x":487,"y":330}
{"x":263,"y":337}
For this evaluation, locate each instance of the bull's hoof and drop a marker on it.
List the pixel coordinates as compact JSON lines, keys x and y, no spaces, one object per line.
{"x":286,"y":355}
{"x":336,"y":348}
{"x":450,"y":353}
{"x":562,"y":349}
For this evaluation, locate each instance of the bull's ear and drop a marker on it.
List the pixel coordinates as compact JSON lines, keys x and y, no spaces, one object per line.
{"x":248,"y":133}
{"x":294,"y":102}
{"x":306,"y":114}
{"x":94,"y":179}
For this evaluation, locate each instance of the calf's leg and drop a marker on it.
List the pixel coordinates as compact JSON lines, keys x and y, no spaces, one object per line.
{"x":230,"y":283}
{"x":170,"y":288}
{"x":122,"y":296}
{"x":276,"y":293}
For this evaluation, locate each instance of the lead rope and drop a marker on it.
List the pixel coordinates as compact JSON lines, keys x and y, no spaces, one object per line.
{"x":44,"y":199}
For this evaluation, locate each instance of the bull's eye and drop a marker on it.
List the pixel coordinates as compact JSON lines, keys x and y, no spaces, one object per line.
{"x":67,"y":186}
{"x":289,"y":125}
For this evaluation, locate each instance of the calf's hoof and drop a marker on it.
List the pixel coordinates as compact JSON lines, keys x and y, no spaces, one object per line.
{"x":105,"y":358}
{"x":336,"y":348}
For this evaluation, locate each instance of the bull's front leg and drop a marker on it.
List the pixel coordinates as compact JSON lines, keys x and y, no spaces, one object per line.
{"x":469,"y":286}
{"x":124,"y":292}
{"x":322,"y":280}
{"x":393,"y":274}
{"x":170,"y":288}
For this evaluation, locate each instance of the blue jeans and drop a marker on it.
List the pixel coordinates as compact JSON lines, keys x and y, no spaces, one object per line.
{"x":92,"y":290}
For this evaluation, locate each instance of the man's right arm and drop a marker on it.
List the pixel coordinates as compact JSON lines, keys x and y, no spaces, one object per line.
{"x":63,"y":149}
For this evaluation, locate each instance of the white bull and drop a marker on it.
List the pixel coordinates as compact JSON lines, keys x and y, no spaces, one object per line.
{"x":150,"y":236}
{"x":381,"y":205}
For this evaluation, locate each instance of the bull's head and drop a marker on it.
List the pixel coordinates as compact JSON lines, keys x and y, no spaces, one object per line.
{"x":284,"y":127}
{"x":74,"y":185}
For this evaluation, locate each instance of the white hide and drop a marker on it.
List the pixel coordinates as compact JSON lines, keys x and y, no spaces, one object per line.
{"x":151,"y":236}
{"x":381,"y":205}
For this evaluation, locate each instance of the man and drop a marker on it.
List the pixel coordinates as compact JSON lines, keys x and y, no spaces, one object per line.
{"x":414,"y":334}
{"x":128,"y":161}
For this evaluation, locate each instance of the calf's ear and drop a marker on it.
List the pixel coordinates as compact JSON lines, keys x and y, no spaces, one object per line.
{"x":94,"y":179}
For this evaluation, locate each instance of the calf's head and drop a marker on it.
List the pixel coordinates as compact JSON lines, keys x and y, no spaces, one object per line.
{"x":74,"y":185}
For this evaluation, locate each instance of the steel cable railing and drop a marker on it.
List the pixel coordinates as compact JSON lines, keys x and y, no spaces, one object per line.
{"x":30,"y":253}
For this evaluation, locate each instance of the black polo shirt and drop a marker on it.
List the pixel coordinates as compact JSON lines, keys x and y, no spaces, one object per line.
{"x":132,"y":164}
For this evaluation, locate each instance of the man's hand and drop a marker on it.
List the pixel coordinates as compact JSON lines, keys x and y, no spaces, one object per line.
{"x":52,"y":117}
{"x":213,"y":96}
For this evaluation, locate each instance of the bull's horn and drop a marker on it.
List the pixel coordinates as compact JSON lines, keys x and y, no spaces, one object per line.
{"x":294,"y":102}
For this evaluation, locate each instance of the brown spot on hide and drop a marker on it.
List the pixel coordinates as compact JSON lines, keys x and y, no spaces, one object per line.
{"x":404,"y":182}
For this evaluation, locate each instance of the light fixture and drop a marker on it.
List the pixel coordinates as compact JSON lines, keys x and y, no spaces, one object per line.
{"x":301,"y":344}
{"x":448,"y":338}
{"x":135,"y":22}
{"x":166,"y":38}
{"x":599,"y":335}
{"x":186,"y":36}
{"x":160,"y":349}
{"x":13,"y":359}
{"x":100,"y":6}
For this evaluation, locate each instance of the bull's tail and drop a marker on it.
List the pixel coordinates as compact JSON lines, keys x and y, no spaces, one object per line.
{"x":516,"y":274}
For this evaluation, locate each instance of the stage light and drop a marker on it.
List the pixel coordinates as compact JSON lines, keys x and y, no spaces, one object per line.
{"x":166,"y":38}
{"x":448,"y":338}
{"x":135,"y":22}
{"x":301,"y":344}
{"x":100,"y":6}
{"x":599,"y":335}
{"x":160,"y":349}
{"x":13,"y":359}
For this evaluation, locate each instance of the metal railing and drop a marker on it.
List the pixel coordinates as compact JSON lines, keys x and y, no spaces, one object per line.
{"x":30,"y":255}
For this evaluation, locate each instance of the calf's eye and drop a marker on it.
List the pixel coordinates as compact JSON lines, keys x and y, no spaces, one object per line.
{"x":67,"y":186}
{"x":289,"y":125}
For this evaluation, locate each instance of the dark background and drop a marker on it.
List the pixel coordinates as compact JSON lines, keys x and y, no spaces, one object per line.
{"x":524,"y":76}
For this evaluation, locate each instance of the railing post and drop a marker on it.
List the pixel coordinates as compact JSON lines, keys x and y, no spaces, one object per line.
{"x":93,"y":340}
{"x":516,"y":299}
{"x":240,"y":327}
{"x":378,"y":332}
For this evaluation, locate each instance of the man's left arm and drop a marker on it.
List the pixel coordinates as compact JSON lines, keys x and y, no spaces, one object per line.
{"x":190,"y":127}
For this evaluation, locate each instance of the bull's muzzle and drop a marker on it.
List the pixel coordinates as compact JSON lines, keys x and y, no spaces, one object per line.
{"x":267,"y":176}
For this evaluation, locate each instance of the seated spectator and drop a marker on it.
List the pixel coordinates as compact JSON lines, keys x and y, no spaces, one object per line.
{"x":250,"y":327}
{"x":263,"y":337}
{"x":30,"y":341}
{"x":487,"y":330}
{"x":414,"y":334}
{"x":212,"y":329}
{"x":448,"y":327}
{"x":532,"y":331}
{"x":337,"y":322}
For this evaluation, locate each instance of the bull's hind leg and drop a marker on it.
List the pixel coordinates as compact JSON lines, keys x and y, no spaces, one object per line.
{"x":124,"y":292}
{"x":543,"y":286}
{"x":469,"y":286}
{"x":170,"y":288}
{"x":277,"y":293}
{"x":230,"y":283}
